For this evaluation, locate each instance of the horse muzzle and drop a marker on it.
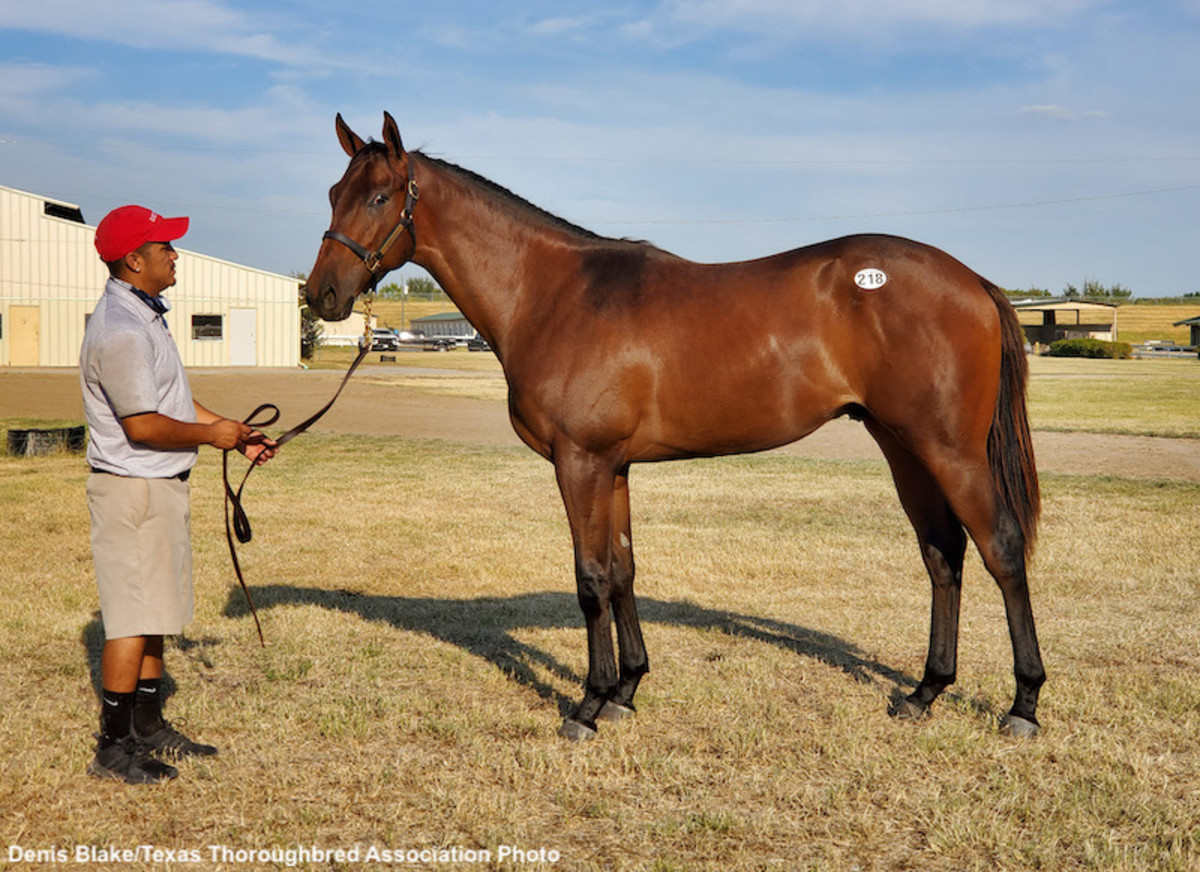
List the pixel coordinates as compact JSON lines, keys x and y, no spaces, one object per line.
{"x":325,"y":301}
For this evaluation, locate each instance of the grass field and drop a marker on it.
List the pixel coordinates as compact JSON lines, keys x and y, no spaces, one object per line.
{"x":1135,"y":397}
{"x":1142,"y":323}
{"x":424,"y":642}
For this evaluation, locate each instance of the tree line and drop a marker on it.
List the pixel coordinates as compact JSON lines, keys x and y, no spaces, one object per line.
{"x":1096,"y":292}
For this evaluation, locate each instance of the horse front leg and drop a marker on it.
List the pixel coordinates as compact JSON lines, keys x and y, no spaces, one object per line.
{"x":586,"y":483}
{"x":633,"y":661}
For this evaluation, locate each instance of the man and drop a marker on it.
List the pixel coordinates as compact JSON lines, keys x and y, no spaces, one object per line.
{"x":144,"y":431}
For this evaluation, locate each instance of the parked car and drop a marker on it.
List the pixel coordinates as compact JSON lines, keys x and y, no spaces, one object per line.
{"x":440,"y":343}
{"x":384,"y":340}
{"x":478,"y":343}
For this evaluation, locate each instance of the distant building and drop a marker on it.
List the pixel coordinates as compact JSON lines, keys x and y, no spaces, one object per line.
{"x":222,"y":314}
{"x":348,"y":332}
{"x":446,"y":325}
{"x":1194,"y":326}
{"x":1064,"y":319}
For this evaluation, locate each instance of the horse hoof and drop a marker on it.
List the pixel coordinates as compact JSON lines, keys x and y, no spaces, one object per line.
{"x":576,"y":731}
{"x":1018,"y":727}
{"x":907,"y":710}
{"x":614,"y":712}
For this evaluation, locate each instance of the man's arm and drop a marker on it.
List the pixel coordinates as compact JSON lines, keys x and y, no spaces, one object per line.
{"x":159,"y":431}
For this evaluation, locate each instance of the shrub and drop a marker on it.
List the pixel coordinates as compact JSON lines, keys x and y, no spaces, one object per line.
{"x":1090,"y":348}
{"x":310,"y":332}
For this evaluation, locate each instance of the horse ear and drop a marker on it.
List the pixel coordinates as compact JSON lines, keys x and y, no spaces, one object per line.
{"x":351,"y":143}
{"x":391,"y":135}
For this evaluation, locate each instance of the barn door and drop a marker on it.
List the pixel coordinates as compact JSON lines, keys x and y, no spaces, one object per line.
{"x":243,"y":337}
{"x":25,"y":341}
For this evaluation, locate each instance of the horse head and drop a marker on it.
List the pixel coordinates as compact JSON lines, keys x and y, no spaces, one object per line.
{"x":372,"y":209}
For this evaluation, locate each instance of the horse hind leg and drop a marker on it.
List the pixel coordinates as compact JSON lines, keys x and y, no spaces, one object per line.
{"x":974,"y":500}
{"x":1003,"y":553}
{"x":943,"y":546}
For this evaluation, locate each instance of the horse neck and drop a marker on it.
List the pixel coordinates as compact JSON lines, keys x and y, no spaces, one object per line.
{"x":481,"y":249}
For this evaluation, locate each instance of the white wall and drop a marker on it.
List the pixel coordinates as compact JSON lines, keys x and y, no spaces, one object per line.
{"x":51,"y":264}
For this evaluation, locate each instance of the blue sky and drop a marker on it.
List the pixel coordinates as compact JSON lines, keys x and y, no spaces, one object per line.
{"x":1042,"y":142}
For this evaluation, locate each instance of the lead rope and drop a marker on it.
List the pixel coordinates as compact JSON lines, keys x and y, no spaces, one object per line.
{"x":237,"y":524}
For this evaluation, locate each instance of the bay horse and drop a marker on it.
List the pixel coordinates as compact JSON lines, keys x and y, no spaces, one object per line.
{"x":617,"y":352}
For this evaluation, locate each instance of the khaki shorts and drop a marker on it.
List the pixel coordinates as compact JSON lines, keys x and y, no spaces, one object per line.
{"x":142,"y":551}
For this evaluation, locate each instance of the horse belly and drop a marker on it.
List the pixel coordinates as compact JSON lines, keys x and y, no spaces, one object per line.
{"x":738,"y":409}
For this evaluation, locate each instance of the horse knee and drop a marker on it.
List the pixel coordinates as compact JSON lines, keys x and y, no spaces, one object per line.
{"x":594,"y":590}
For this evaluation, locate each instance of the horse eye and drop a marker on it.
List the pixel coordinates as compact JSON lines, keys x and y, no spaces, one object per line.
{"x":379,"y":200}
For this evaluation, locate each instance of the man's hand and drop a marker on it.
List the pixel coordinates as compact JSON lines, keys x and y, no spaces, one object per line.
{"x":257,"y":448}
{"x":227,"y":434}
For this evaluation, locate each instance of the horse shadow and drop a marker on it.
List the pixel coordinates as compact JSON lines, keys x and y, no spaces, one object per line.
{"x":484,"y":628}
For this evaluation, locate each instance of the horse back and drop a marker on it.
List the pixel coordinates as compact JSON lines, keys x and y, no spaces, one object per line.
{"x":673,"y":358}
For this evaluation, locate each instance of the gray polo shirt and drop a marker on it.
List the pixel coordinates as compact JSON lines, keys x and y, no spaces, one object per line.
{"x":129,"y":365}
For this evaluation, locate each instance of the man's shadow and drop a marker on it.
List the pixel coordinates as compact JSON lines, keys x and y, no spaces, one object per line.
{"x":92,"y":639}
{"x":484,"y":627}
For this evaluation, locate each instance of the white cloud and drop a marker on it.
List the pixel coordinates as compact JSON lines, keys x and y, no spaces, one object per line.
{"x":825,"y":15}
{"x":556,"y":26}
{"x":712,"y":158}
{"x":1061,"y":113}
{"x":20,"y":81}
{"x":151,"y":24}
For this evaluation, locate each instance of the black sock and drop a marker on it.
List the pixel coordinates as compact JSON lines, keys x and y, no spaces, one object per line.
{"x":147,"y":706}
{"x":116,"y":715}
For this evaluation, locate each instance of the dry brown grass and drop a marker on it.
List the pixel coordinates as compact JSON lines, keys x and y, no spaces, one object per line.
{"x":1146,"y":322}
{"x":424,"y":641}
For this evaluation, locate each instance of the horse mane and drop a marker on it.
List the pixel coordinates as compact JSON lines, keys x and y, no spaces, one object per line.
{"x":499,"y":191}
{"x":520,"y":203}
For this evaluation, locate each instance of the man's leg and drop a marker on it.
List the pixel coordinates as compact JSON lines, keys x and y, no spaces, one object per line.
{"x":149,"y":725}
{"x":120,"y":666}
{"x":147,"y":702}
{"x":119,"y":754}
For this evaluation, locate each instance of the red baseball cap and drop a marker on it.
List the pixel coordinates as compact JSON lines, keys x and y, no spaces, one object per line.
{"x":128,"y":228}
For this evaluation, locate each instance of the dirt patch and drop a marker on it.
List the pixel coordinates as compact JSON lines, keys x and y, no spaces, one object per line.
{"x":375,"y":407}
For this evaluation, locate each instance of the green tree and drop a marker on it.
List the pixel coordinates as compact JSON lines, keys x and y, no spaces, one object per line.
{"x":1097,"y":292}
{"x":1029,"y":293}
{"x":419,"y":288}
{"x":311,"y":329}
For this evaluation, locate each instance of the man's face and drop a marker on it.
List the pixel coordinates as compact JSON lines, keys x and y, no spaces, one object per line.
{"x":154,"y":266}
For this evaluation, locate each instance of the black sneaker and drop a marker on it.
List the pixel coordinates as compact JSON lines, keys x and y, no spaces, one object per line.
{"x":167,"y":741}
{"x":129,"y":760}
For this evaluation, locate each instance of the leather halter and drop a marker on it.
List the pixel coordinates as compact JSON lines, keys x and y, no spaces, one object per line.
{"x":373,"y":260}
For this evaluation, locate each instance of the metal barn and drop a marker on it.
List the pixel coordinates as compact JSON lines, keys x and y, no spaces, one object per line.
{"x":222,"y":314}
{"x":445,"y":325}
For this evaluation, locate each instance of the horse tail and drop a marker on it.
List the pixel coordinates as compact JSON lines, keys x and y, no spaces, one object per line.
{"x":1010,"y":448}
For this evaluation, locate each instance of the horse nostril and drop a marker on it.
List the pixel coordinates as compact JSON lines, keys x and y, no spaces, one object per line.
{"x":328,"y":298}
